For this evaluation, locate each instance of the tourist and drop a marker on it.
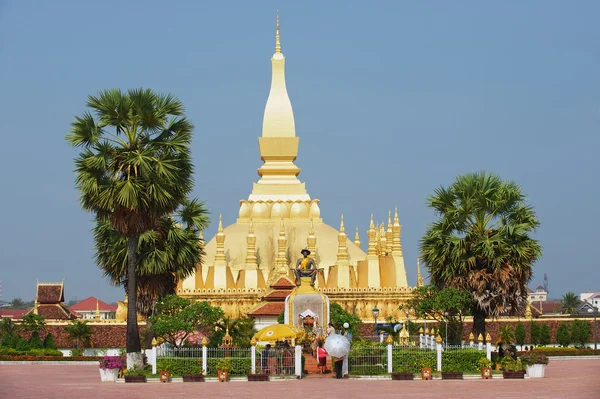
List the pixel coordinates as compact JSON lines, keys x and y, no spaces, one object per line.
{"x":321,"y":358}
{"x":288,"y":358}
{"x":330,"y":329}
{"x":338,"y":363}
{"x":267,"y":360}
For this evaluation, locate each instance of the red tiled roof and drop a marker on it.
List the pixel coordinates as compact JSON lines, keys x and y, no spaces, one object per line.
{"x":277,"y":295}
{"x":50,"y":293}
{"x":13,"y":314}
{"x":89,"y":304}
{"x":282,"y":284}
{"x":269,"y":309}
{"x":55,"y":312}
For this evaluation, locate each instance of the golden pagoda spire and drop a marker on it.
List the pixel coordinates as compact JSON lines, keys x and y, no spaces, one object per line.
{"x":382,"y":239}
{"x":311,"y":241}
{"x":281,"y":261}
{"x":97,"y":310}
{"x":342,"y":254}
{"x":251,"y":248}
{"x":357,"y":238}
{"x":220,"y":259}
{"x":277,"y":42}
{"x":419,"y":277}
{"x":396,"y":228}
{"x":389,"y":235}
{"x":372,"y":234}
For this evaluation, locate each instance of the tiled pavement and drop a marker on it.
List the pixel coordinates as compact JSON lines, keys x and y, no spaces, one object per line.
{"x":564,"y":379}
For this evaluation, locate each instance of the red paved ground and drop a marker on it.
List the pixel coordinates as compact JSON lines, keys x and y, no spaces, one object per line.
{"x":564,"y":379}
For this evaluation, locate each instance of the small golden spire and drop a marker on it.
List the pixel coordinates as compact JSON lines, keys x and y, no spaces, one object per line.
{"x":480,"y":338}
{"x":471,"y":336}
{"x":419,"y":277}
{"x":220,"y":229}
{"x":421,"y":330}
{"x":97,"y":310}
{"x":438,"y":340}
{"x":342,"y":253}
{"x":220,"y":259}
{"x":204,"y":341}
{"x":488,"y":337}
{"x":357,"y":238}
{"x":201,"y":235}
{"x":277,"y":41}
{"x":311,"y":231}
{"x":311,"y":240}
{"x":396,"y":229}
{"x":281,"y":260}
{"x":342,"y":228}
{"x":372,"y":235}
{"x":251,"y":248}
{"x":389,"y":234}
{"x":251,"y":228}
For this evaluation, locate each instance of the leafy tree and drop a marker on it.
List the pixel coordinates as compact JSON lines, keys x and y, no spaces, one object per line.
{"x":534,"y":333}
{"x":570,"y":303}
{"x":507,"y":334}
{"x":9,"y":340}
{"x":49,"y":342}
{"x":444,"y":305}
{"x":580,"y":332}
{"x":545,"y":337}
{"x":32,"y":323}
{"x":241,"y":330}
{"x":18,"y":304}
{"x":281,"y":317}
{"x":134,"y":169}
{"x":338,"y":316}
{"x":79,"y":331}
{"x":563,"y":335}
{"x":35,"y":342}
{"x":520,"y":335}
{"x":22,"y":345}
{"x":176,"y":318}
{"x":481,"y":243}
{"x":7,"y":326}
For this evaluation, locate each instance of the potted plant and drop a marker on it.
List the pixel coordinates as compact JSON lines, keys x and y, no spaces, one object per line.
{"x":135,"y":374}
{"x":485,"y":365}
{"x":402,"y":373}
{"x":110,"y":366}
{"x":425,"y":370}
{"x":223,"y":369}
{"x":164,"y":376}
{"x":535,"y":363}
{"x":512,"y":368}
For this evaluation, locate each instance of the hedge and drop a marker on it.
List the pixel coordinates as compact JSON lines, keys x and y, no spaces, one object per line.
{"x":411,"y":361}
{"x":26,"y":358}
{"x":179,"y":366}
{"x":31,"y":352}
{"x":465,"y":360}
{"x":557,"y":351}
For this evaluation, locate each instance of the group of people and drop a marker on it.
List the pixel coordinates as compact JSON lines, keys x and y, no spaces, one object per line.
{"x":278,"y":360}
{"x":340,"y":364}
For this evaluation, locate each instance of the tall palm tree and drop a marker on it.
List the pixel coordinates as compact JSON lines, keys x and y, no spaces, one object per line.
{"x":570,"y":303}
{"x":481,"y":243}
{"x":168,"y":253}
{"x":135,"y":167}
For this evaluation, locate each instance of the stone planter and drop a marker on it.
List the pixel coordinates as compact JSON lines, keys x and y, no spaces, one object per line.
{"x":513,"y":374}
{"x":426,"y":373}
{"x":109,"y":375}
{"x":486,"y":373}
{"x":536,"y":370}
{"x":452,"y":375}
{"x":258,"y":377}
{"x":193,"y":378}
{"x":223,"y":375}
{"x":135,"y":378}
{"x":402,"y":376}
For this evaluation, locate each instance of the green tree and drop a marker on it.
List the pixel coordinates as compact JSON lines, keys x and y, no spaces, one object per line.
{"x":545,"y":336}
{"x":7,"y":327}
{"x":134,"y":169}
{"x":507,"y":334}
{"x":338,"y":316}
{"x":168,"y":253}
{"x":9,"y":340}
{"x":563,"y":335}
{"x":520,"y":335}
{"x":35,"y":342}
{"x":481,"y":243}
{"x":49,"y":342}
{"x":22,"y":345}
{"x":281,"y":317}
{"x":570,"y":303}
{"x":176,"y":318}
{"x":534,"y":333}
{"x":18,"y":304}
{"x":580,"y":332}
{"x":79,"y":331}
{"x":32,"y":323}
{"x":241,"y":330}
{"x":444,"y":305}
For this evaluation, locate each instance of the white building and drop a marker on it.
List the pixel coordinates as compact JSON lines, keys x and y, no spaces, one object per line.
{"x":593,"y":298}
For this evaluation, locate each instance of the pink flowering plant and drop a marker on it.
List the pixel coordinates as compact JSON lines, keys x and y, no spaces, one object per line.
{"x":112,"y":362}
{"x":534,"y":358}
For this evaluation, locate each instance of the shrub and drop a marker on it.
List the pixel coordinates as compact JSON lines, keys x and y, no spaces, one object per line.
{"x":412,"y":361}
{"x":534,"y":358}
{"x":520,"y":335}
{"x":580,"y":332}
{"x":545,"y":334}
{"x":35,"y":342}
{"x":239,"y":366}
{"x":49,"y":342}
{"x":465,"y":360}
{"x":77,"y":352}
{"x":534,"y":333}
{"x":180,"y":366}
{"x":557,"y":351}
{"x":22,"y":345}
{"x":563,"y":335}
{"x":484,"y":362}
{"x":9,"y":340}
{"x":112,"y":362}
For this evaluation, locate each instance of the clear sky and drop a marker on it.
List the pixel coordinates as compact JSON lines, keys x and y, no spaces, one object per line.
{"x":391,"y":100}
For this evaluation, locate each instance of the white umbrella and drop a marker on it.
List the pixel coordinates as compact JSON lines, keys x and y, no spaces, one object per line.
{"x":337,"y":345}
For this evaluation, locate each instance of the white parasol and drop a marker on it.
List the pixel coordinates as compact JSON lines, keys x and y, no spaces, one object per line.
{"x":337,"y":345}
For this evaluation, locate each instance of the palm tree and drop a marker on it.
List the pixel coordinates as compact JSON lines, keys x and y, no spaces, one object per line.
{"x":135,"y":167}
{"x":165,"y":255}
{"x":481,"y":243}
{"x":80,"y":332}
{"x":570,"y":303}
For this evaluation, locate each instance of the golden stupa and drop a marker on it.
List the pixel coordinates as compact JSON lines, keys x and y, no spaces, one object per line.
{"x":279,"y":219}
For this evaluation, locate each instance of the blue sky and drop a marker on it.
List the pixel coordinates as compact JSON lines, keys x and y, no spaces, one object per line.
{"x":391,"y":100}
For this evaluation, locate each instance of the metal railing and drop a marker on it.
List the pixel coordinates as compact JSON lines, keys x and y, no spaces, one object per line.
{"x":280,"y":361}
{"x":367,"y":360}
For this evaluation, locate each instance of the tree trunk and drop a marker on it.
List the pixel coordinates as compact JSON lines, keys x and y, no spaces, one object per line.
{"x":134,"y":350}
{"x":479,"y":324}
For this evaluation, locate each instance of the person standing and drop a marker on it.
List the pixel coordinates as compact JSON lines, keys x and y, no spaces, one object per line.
{"x":338,"y":363}
{"x":321,"y":358}
{"x":330,"y":330}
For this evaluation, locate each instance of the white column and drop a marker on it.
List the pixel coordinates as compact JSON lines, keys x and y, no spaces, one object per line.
{"x":204,"y":359}
{"x":439,"y":357}
{"x":151,"y":354}
{"x":421,"y":341}
{"x":480,"y":346}
{"x":389,"y":358}
{"x":471,"y":343}
{"x":298,"y":356}
{"x":488,"y":350}
{"x":253,"y":358}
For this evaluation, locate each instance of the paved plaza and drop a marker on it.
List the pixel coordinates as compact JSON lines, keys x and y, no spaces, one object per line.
{"x":565,"y":379}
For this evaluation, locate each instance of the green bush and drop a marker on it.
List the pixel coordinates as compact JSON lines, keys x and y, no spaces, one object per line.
{"x":179,"y":366}
{"x":77,"y":352}
{"x":534,"y":333}
{"x":408,"y":361}
{"x":9,"y":341}
{"x":563,"y":335}
{"x":22,"y":345}
{"x":557,"y":351}
{"x":49,"y":342}
{"x":580,"y":332}
{"x":239,"y":366}
{"x":465,"y":360}
{"x":35,"y":342}
{"x":545,"y":336}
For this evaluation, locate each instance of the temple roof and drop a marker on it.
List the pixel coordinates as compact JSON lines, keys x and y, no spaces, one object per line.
{"x":89,"y":304}
{"x":50,"y":293}
{"x":268,"y":309}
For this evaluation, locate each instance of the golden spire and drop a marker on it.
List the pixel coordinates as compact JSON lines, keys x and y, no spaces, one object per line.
{"x":311,"y":241}
{"x":372,"y":235}
{"x":396,"y":229}
{"x":251,"y":248}
{"x":382,"y":239}
{"x":419,"y":277}
{"x":357,"y":238}
{"x":277,"y":42}
{"x":389,"y":235}
{"x":97,"y":310}
{"x":342,"y":254}
{"x":281,"y":261}
{"x":220,"y":259}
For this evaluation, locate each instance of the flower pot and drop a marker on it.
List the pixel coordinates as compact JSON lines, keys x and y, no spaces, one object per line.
{"x":258,"y":377}
{"x":135,"y":378}
{"x":513,"y":374}
{"x":193,"y":378}
{"x":486,"y":373}
{"x":536,"y":370}
{"x":452,"y":375}
{"x":109,"y":375}
{"x":426,"y":373}
{"x":164,"y":375}
{"x":223,"y":375}
{"x":402,"y":376}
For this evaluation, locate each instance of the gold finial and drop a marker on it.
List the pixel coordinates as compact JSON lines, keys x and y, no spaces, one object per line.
{"x":389,"y":226}
{"x":488,"y":337}
{"x":471,"y":336}
{"x":204,"y":341}
{"x":438,"y":339}
{"x":480,"y":338}
{"x":281,"y":227}
{"x":421,"y":330}
{"x":357,"y":238}
{"x":277,"y":41}
{"x":253,"y":341}
{"x":390,"y":340}
{"x":426,"y":330}
{"x":419,"y":277}
{"x":220,"y":229}
{"x":154,"y":342}
{"x":201,"y":235}
{"x":371,"y":225}
{"x":97,"y":309}
{"x":342,"y":228}
{"x":396,"y":219}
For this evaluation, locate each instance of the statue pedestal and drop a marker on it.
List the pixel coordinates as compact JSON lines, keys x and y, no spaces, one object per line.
{"x":305,"y":299}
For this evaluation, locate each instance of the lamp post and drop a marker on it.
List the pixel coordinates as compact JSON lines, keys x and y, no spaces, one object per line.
{"x":375,"y":314}
{"x":590,"y":311}
{"x":446,"y":317}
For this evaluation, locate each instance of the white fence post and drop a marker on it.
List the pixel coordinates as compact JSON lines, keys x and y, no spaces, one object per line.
{"x":253,"y":356}
{"x":204,"y":357}
{"x":151,"y":354}
{"x":298,"y":359}
{"x":389,"y":358}
{"x":439,"y":353}
{"x":488,"y":350}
